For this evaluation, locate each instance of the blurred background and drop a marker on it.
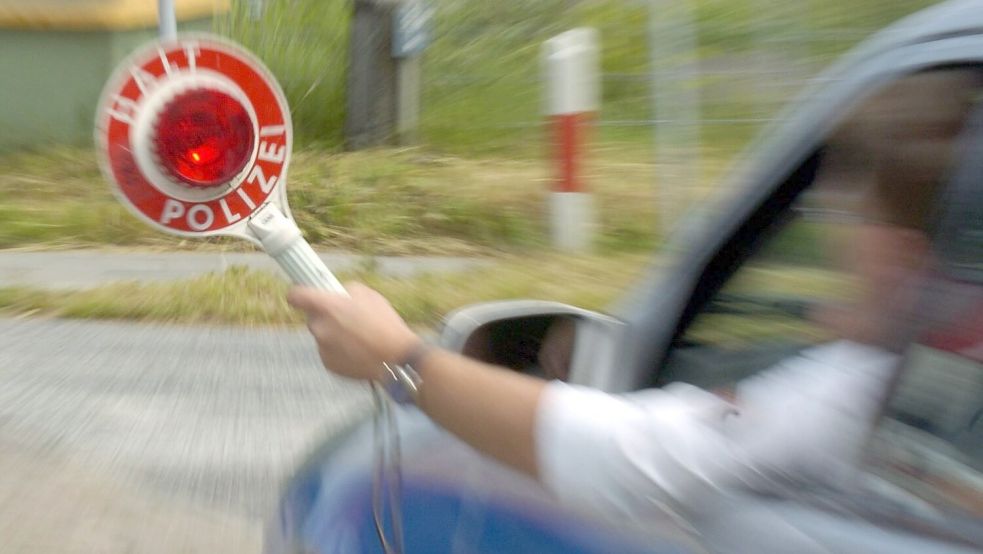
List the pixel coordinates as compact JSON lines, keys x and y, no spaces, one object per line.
{"x":189,"y":405}
{"x":685,"y":86}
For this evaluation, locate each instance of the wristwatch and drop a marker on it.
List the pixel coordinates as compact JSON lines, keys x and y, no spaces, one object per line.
{"x":402,"y":381}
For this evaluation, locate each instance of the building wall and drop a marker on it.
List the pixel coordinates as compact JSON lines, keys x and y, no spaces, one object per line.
{"x":50,"y":80}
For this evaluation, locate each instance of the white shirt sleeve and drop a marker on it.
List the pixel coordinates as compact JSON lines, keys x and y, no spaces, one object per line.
{"x":640,"y":455}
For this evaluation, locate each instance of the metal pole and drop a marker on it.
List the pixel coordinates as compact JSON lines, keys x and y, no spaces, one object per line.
{"x":370,"y":117}
{"x":167,"y":22}
{"x":675,"y":105}
{"x":408,"y":76}
{"x":256,"y":9}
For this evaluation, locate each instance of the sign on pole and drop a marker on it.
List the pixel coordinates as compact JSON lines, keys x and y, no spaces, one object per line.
{"x":411,"y":28}
{"x":194,"y":136}
{"x":167,"y":179}
{"x":411,"y":36}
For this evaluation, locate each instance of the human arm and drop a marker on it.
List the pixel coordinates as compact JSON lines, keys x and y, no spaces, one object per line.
{"x":490,"y":408}
{"x":619,"y":455}
{"x":613,"y":454}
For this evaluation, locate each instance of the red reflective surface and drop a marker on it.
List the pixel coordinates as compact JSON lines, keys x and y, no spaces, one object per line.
{"x":204,"y":138}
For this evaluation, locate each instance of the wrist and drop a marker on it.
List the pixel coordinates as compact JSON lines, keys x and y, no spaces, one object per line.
{"x":401,"y":378}
{"x":414,"y":354}
{"x":399,"y":346}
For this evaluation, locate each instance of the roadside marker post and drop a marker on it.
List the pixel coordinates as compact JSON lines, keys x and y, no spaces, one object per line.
{"x":571,"y":71}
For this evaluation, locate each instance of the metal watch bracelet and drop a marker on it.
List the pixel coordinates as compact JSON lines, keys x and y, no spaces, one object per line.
{"x":402,"y":381}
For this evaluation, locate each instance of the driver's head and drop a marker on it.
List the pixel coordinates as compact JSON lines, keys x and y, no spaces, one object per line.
{"x":909,"y":134}
{"x":892,"y":157}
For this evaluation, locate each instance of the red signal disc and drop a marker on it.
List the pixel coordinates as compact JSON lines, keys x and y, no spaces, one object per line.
{"x":204,"y":138}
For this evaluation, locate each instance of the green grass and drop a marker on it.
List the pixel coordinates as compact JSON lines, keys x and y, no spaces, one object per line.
{"x":405,"y":201}
{"x":481,"y":88}
{"x":479,"y":183}
{"x":305,"y":44}
{"x":245,"y":297}
{"x":57,"y":198}
{"x":254,"y":298}
{"x":775,"y":280}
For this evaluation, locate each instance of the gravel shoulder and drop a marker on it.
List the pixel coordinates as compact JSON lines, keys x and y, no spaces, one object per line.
{"x":80,"y":269}
{"x":49,"y":504}
{"x":155,"y":438}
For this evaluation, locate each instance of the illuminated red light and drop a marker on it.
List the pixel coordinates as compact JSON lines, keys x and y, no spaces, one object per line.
{"x":204,"y":138}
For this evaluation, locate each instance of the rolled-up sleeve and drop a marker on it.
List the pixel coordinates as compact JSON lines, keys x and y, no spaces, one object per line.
{"x":644,"y":454}
{"x":631,"y":456}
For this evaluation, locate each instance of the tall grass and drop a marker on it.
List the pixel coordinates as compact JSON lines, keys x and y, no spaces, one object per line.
{"x":387,"y":201}
{"x":305,"y":44}
{"x":248,"y":297}
{"x":482,"y":91}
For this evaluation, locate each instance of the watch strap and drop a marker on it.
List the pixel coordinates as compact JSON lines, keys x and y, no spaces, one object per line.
{"x":402,"y":380}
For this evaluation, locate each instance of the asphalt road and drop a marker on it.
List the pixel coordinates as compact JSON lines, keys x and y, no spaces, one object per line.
{"x":205,"y":419}
{"x":74,"y":269}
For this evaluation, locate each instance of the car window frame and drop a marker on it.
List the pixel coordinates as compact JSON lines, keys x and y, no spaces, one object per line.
{"x":660,"y":309}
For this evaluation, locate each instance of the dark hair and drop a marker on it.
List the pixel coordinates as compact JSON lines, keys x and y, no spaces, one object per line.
{"x":894,"y":150}
{"x":912,"y":129}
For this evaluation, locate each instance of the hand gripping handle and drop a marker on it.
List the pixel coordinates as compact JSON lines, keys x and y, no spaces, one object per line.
{"x":282,"y":240}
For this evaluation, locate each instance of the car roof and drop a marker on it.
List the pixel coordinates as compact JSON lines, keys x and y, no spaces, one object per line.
{"x":945,"y":19}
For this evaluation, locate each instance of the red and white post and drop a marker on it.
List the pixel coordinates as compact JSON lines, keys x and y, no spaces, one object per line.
{"x":571,"y":70}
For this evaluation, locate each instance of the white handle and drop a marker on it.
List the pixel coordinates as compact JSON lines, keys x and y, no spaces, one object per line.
{"x":283,"y":241}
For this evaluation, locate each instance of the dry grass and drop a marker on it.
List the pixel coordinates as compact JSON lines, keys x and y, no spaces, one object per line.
{"x":244,"y":297}
{"x":393,"y":201}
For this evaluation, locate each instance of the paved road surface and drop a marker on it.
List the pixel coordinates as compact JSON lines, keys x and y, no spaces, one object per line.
{"x":88,"y":268}
{"x":155,"y":434}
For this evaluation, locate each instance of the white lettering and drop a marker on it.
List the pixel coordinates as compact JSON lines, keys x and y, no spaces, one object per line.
{"x":268,"y":152}
{"x":229,"y":216}
{"x":264,"y":184}
{"x":172,"y":210}
{"x":123,"y":109}
{"x":144,"y":80}
{"x":245,"y":198}
{"x":272,"y":130}
{"x":193,"y":220}
{"x":164,"y":61}
{"x":191,"y":51}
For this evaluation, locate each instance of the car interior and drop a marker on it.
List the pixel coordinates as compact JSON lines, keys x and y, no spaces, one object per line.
{"x":930,"y":442}
{"x":757,"y":300}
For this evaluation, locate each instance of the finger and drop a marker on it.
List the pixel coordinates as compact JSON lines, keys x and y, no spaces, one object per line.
{"x":322,"y":330}
{"x":300,"y":297}
{"x":367,"y":295}
{"x":310,"y":300}
{"x":356,"y":289}
{"x":326,"y":358}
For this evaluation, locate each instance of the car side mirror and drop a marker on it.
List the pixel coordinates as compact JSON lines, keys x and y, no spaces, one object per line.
{"x":547,"y":339}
